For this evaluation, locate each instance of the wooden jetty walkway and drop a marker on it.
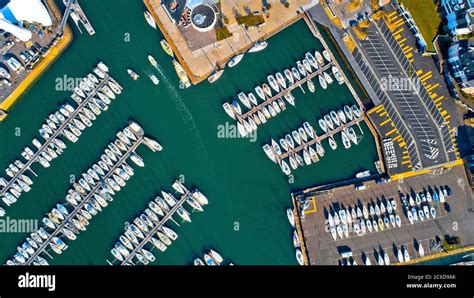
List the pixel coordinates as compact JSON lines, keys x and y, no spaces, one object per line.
{"x":297,"y":83}
{"x":158,"y":226}
{"x":56,"y":133}
{"x":85,"y":199}
{"x":317,"y":139}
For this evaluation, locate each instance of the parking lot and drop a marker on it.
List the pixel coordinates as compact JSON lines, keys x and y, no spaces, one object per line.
{"x":455,"y":217}
{"x":405,"y":98}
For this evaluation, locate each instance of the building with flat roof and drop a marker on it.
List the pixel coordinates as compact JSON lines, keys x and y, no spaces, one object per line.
{"x":460,"y":61}
{"x":14,"y":12}
{"x":458,"y":14}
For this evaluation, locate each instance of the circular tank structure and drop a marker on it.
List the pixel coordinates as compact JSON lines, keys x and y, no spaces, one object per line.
{"x":203,"y":18}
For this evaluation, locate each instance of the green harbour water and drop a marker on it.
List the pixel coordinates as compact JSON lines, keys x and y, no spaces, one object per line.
{"x":245,"y":220}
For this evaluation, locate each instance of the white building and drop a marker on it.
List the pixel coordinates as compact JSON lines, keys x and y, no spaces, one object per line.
{"x":14,"y":12}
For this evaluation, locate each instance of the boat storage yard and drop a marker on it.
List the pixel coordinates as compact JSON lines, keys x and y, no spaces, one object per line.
{"x":347,"y":225}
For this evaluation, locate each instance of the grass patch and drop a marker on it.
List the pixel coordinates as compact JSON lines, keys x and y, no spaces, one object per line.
{"x":250,"y":20}
{"x":222,"y":33}
{"x":426,"y":17}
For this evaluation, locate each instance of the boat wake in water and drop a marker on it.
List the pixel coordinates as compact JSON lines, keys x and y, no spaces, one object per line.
{"x":184,"y":111}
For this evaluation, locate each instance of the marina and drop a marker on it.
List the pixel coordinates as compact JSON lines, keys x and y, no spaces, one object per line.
{"x":58,"y":124}
{"x":275,"y":153}
{"x":192,"y":116}
{"x":158,"y":226}
{"x":74,"y":10}
{"x":242,"y":117}
{"x":101,"y":189}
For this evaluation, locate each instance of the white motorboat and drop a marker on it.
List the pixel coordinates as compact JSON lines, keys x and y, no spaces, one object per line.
{"x":313,"y":154}
{"x":307,"y":66}
{"x":258,"y":46}
{"x":319,"y":58}
{"x":235,"y":60}
{"x":356,"y":111}
{"x":284,"y":167}
{"x":327,"y":78}
{"x":260,"y":93}
{"x":306,"y":157}
{"x":322,"y":124}
{"x":327,"y":56}
{"x":290,"y":216}
{"x":322,"y":82}
{"x":267,"y":90}
{"x":289,"y":76}
{"x":273,"y":83}
{"x":290,"y":98}
{"x":320,"y":149}
{"x":244,"y":99}
{"x":296,"y":73}
{"x":268,"y":151}
{"x":345,"y":139}
{"x":335,"y":118}
{"x":342,"y":116}
{"x":329,"y":122}
{"x":301,"y":68}
{"x":332,"y":143}
{"x":281,"y":80}
{"x":311,"y":60}
{"x":421,"y":251}
{"x":311,"y":86}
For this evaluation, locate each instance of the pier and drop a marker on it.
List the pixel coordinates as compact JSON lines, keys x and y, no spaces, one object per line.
{"x":74,"y":10}
{"x":56,"y":133}
{"x":317,"y":139}
{"x":86,"y":198}
{"x":158,"y":226}
{"x":297,"y":83}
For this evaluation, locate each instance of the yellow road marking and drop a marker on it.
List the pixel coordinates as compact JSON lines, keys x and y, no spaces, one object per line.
{"x":377,"y":108}
{"x":432,"y":87}
{"x":390,"y":132}
{"x":314,"y":207}
{"x":385,"y":122}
